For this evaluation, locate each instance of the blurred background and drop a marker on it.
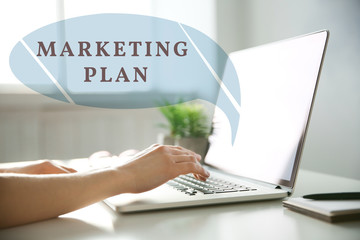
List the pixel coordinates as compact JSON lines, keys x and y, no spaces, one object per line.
{"x":33,"y":126}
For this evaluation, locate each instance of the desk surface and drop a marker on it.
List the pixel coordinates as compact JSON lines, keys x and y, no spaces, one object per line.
{"x":255,"y":220}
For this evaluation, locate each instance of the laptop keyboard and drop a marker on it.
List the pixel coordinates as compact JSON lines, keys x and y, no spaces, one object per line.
{"x":191,"y":186}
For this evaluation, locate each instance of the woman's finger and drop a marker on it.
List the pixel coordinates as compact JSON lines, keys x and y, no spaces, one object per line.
{"x":200,"y":177}
{"x":185,"y":158}
{"x":184,"y":151}
{"x":70,"y":170}
{"x":190,"y":167}
{"x":100,"y":154}
{"x":129,"y":153}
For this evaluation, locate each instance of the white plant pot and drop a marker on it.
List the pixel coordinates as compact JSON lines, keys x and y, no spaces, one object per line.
{"x":198,"y":145}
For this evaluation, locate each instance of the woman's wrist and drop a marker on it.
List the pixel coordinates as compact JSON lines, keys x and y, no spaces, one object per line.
{"x":121,"y":180}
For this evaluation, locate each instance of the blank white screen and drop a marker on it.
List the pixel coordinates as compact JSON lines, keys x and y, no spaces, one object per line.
{"x":277,"y":84}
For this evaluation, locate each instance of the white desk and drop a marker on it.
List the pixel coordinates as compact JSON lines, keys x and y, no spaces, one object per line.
{"x":256,"y":220}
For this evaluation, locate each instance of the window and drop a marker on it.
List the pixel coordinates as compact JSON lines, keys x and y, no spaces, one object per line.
{"x":21,"y":17}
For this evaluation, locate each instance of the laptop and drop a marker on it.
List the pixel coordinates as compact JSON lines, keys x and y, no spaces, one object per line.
{"x":278,"y":82}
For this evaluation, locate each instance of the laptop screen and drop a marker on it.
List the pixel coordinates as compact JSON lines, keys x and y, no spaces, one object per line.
{"x":277,"y":84}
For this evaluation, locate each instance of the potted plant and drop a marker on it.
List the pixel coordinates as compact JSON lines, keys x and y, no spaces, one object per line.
{"x":188,"y":126}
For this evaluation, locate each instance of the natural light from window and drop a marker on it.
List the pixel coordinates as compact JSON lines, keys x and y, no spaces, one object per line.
{"x":31,"y":15}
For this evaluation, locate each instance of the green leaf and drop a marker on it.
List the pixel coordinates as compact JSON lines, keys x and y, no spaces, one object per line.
{"x":185,"y":120}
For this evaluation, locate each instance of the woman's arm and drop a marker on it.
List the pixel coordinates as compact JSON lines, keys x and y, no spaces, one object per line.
{"x":38,"y":167}
{"x":28,"y":198}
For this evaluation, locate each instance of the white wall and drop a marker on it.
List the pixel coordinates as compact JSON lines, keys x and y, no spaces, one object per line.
{"x":33,"y":126}
{"x":333,"y":141}
{"x":36,"y":127}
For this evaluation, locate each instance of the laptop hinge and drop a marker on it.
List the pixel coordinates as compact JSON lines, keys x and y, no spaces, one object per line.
{"x":288,"y":189}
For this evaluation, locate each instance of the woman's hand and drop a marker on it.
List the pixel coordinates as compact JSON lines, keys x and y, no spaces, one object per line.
{"x":30,"y":197}
{"x":158,"y":164}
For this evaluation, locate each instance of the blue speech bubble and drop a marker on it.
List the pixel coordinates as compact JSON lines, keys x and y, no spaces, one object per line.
{"x":126,"y":61}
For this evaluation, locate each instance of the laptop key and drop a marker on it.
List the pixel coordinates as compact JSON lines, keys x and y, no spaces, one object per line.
{"x":190,"y":192}
{"x":208,"y":192}
{"x":225,"y":191}
{"x":190,"y":185}
{"x":242,"y":190}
